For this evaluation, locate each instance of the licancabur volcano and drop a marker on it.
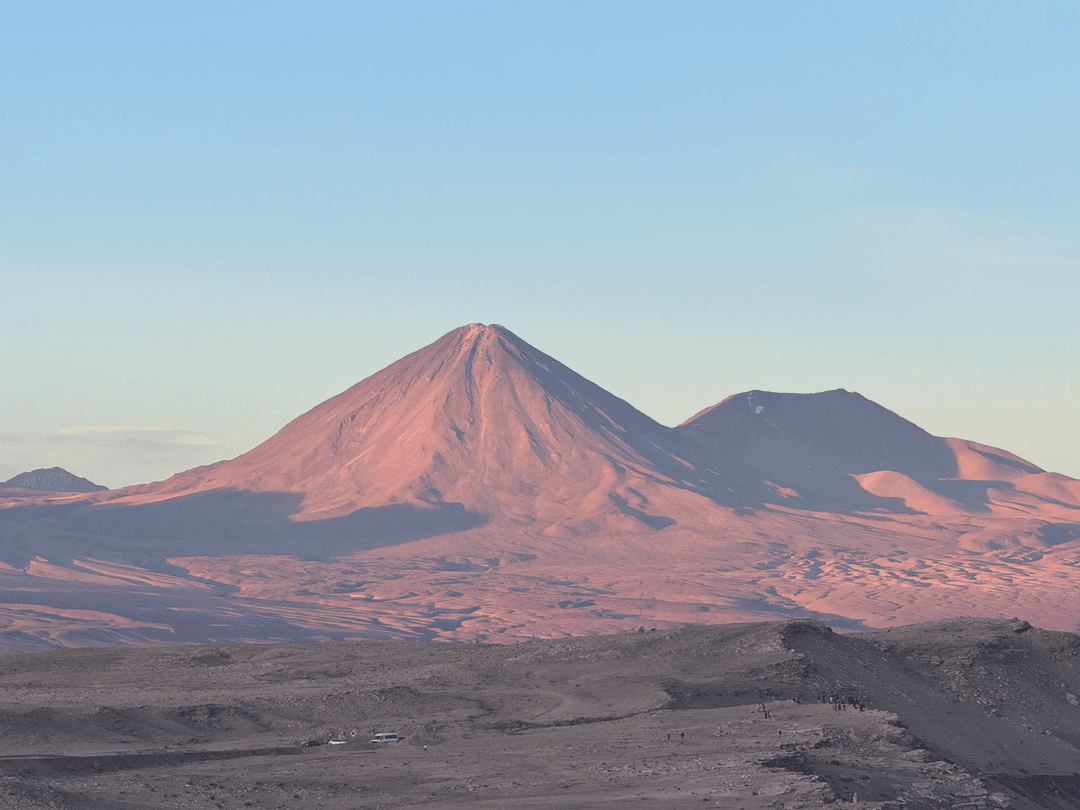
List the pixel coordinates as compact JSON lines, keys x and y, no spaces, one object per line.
{"x":478,"y":420}
{"x":480,"y":487}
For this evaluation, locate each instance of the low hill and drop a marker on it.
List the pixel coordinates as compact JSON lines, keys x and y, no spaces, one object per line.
{"x":53,"y":479}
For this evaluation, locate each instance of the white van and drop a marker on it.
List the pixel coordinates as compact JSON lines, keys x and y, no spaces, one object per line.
{"x":385,"y":737}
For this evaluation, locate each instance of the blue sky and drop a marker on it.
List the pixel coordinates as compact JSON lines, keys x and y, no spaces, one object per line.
{"x":214,"y":217}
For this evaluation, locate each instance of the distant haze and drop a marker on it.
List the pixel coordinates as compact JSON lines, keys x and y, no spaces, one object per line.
{"x":212,"y":219}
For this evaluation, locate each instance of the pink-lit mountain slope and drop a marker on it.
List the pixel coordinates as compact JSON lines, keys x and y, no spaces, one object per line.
{"x":481,"y":421}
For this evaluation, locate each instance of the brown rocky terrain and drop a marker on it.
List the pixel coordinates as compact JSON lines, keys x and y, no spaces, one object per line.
{"x":966,"y":713}
{"x":479,"y":489}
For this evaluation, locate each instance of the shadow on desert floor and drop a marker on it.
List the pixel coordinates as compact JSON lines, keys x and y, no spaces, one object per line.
{"x":217,"y":523}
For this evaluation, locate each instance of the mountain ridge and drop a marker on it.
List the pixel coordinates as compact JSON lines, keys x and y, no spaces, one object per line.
{"x":480,"y":485}
{"x":51,"y":479}
{"x":480,"y":417}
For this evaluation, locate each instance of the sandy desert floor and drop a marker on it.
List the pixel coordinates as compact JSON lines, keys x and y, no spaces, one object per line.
{"x":431,"y":592}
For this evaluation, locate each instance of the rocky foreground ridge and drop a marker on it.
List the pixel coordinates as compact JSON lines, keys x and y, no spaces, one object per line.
{"x":965,"y":713}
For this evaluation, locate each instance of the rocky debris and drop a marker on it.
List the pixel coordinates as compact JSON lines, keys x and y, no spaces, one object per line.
{"x":786,"y":715}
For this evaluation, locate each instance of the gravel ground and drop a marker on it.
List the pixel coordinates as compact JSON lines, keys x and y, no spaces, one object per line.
{"x":962,"y":714}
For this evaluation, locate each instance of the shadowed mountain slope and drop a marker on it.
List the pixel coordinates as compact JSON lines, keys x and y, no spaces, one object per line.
{"x":842,"y":445}
{"x":53,"y":479}
{"x":842,"y":429}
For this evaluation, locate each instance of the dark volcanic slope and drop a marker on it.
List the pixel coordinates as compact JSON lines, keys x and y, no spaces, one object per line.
{"x":960,"y":714}
{"x":842,"y":445}
{"x":843,"y":431}
{"x":53,"y":479}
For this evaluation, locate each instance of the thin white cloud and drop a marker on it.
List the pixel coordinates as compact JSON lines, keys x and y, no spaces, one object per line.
{"x":115,"y":455}
{"x":160,"y":434}
{"x":111,"y":429}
